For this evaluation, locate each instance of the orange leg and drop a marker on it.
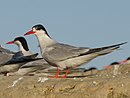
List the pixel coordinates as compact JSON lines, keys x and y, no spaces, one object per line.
{"x":57,"y":74}
{"x":67,"y":71}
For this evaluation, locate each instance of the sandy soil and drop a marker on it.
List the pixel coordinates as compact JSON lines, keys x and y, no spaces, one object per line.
{"x":94,"y":84}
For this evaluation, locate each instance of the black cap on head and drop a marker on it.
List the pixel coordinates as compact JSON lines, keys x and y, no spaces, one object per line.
{"x":40,"y":27}
{"x":23,"y":42}
{"x":92,"y":68}
{"x":128,"y":58}
{"x":114,"y":63}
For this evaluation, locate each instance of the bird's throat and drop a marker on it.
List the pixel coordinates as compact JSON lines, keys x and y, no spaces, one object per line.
{"x":44,"y":41}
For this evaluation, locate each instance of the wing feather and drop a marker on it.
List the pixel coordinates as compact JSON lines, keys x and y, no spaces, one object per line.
{"x":59,"y":52}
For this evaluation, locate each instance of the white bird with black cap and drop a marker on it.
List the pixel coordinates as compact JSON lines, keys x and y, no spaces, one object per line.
{"x":31,"y":66}
{"x":12,"y":61}
{"x":66,"y":56}
{"x":22,"y":45}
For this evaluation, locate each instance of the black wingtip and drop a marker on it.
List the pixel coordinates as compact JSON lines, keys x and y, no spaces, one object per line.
{"x":117,"y":44}
{"x":112,"y":47}
{"x":24,"y":62}
{"x":123,"y":43}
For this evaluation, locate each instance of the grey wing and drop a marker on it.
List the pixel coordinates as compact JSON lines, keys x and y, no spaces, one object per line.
{"x":20,"y":58}
{"x":61,"y":52}
{"x":9,"y":57}
{"x":38,"y":63}
{"x":18,"y":54}
{"x":5,"y":55}
{"x":6,"y":50}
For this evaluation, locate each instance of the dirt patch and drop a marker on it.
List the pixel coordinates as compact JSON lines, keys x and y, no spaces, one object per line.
{"x":99,"y":84}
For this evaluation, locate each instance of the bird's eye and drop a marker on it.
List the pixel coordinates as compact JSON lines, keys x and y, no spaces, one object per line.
{"x":34,"y":29}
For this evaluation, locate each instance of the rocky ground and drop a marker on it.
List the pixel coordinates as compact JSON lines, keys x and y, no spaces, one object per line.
{"x":90,"y":84}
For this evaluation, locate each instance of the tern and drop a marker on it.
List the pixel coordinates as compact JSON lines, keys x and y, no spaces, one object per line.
{"x":115,"y":66}
{"x":22,"y":45}
{"x":12,"y":61}
{"x":24,"y":50}
{"x":23,"y":53}
{"x":65,"y":56}
{"x":5,"y":54}
{"x":127,"y":61}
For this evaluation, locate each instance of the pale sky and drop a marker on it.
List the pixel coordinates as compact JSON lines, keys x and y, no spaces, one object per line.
{"x":90,"y":23}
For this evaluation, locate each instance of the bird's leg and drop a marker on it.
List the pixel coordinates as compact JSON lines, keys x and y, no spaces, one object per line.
{"x":57,"y":74}
{"x":67,"y":71}
{"x":65,"y":76}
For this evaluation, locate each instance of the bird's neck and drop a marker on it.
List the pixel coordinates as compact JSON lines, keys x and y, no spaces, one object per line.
{"x":20,"y":48}
{"x":44,"y":40}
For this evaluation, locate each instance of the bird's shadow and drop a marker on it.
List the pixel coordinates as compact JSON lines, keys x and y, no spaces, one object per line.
{"x":81,"y":76}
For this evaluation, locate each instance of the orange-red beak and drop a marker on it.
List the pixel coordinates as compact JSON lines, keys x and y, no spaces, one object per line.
{"x":11,"y":42}
{"x":29,"y":32}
